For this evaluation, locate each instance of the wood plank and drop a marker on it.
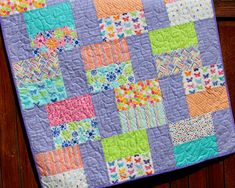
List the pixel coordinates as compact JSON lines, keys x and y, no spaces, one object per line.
{"x":160,"y":181}
{"x":198,"y":177}
{"x":27,"y":166}
{"x":181,"y":181}
{"x":8,"y":133}
{"x":216,"y":174}
{"x":227,"y":37}
{"x":225,"y":9}
{"x":229,"y":170}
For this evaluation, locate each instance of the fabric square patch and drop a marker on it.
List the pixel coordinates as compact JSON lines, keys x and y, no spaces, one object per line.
{"x":70,"y":110}
{"x":123,"y":25}
{"x":9,"y":7}
{"x":211,"y":100}
{"x":192,"y":129}
{"x":200,"y":79}
{"x":75,"y":133}
{"x":138,"y":94}
{"x":51,"y":29}
{"x":58,"y":161}
{"x":178,"y":61}
{"x":71,"y":179}
{"x":184,"y":11}
{"x":105,"y":8}
{"x":195,"y":151}
{"x":173,"y":38}
{"x":42,"y":92}
{"x":124,"y":145}
{"x":36,"y":69}
{"x":57,"y":40}
{"x":140,"y":105}
{"x":104,"y":54}
{"x":143,"y":117}
{"x":109,"y":77}
{"x":130,"y":167}
{"x":48,"y":18}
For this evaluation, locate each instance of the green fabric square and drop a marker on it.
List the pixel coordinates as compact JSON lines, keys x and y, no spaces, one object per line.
{"x":172,"y":38}
{"x":124,"y":145}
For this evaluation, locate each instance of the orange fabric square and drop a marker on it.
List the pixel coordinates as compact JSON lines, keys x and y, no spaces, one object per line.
{"x":106,"y":8}
{"x":207,"y":101}
{"x":103,"y":54}
{"x":58,"y":161}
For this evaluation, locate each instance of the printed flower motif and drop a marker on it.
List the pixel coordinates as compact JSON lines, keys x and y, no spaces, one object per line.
{"x":94,"y":123}
{"x":40,"y":40}
{"x":48,"y":34}
{"x":111,"y":76}
{"x":55,"y":41}
{"x":131,"y":79}
{"x":118,"y":70}
{"x":66,"y":143}
{"x":67,"y":31}
{"x":90,"y":134}
{"x":63,"y":127}
{"x":74,"y":134}
{"x":51,"y":43}
{"x":105,"y":87}
{"x":59,"y":34}
{"x":75,"y":42}
{"x":55,"y":132}
{"x":10,"y":7}
{"x":36,"y":51}
{"x":74,"y":141}
{"x":93,"y":72}
{"x":61,"y":43}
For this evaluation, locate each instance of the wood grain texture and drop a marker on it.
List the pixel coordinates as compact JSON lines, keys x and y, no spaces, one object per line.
{"x":17,"y":169}
{"x":225,"y":8}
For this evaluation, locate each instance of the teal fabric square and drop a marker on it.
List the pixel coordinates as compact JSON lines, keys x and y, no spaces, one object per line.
{"x":195,"y":151}
{"x":42,"y":92}
{"x":49,"y":18}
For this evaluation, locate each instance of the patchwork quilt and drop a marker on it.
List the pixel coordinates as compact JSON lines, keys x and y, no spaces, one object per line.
{"x":115,"y":90}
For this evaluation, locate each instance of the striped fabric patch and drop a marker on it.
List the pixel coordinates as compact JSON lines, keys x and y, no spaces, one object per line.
{"x":143,"y":117}
{"x":58,"y":161}
{"x":103,"y":54}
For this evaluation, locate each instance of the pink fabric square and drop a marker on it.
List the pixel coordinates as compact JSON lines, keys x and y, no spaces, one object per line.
{"x":69,"y":110}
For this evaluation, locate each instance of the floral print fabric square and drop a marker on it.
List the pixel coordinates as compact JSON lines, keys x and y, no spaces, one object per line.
{"x":74,"y":133}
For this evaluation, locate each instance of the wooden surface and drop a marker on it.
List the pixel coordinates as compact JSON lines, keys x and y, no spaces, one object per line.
{"x":225,"y":8}
{"x":17,"y":168}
